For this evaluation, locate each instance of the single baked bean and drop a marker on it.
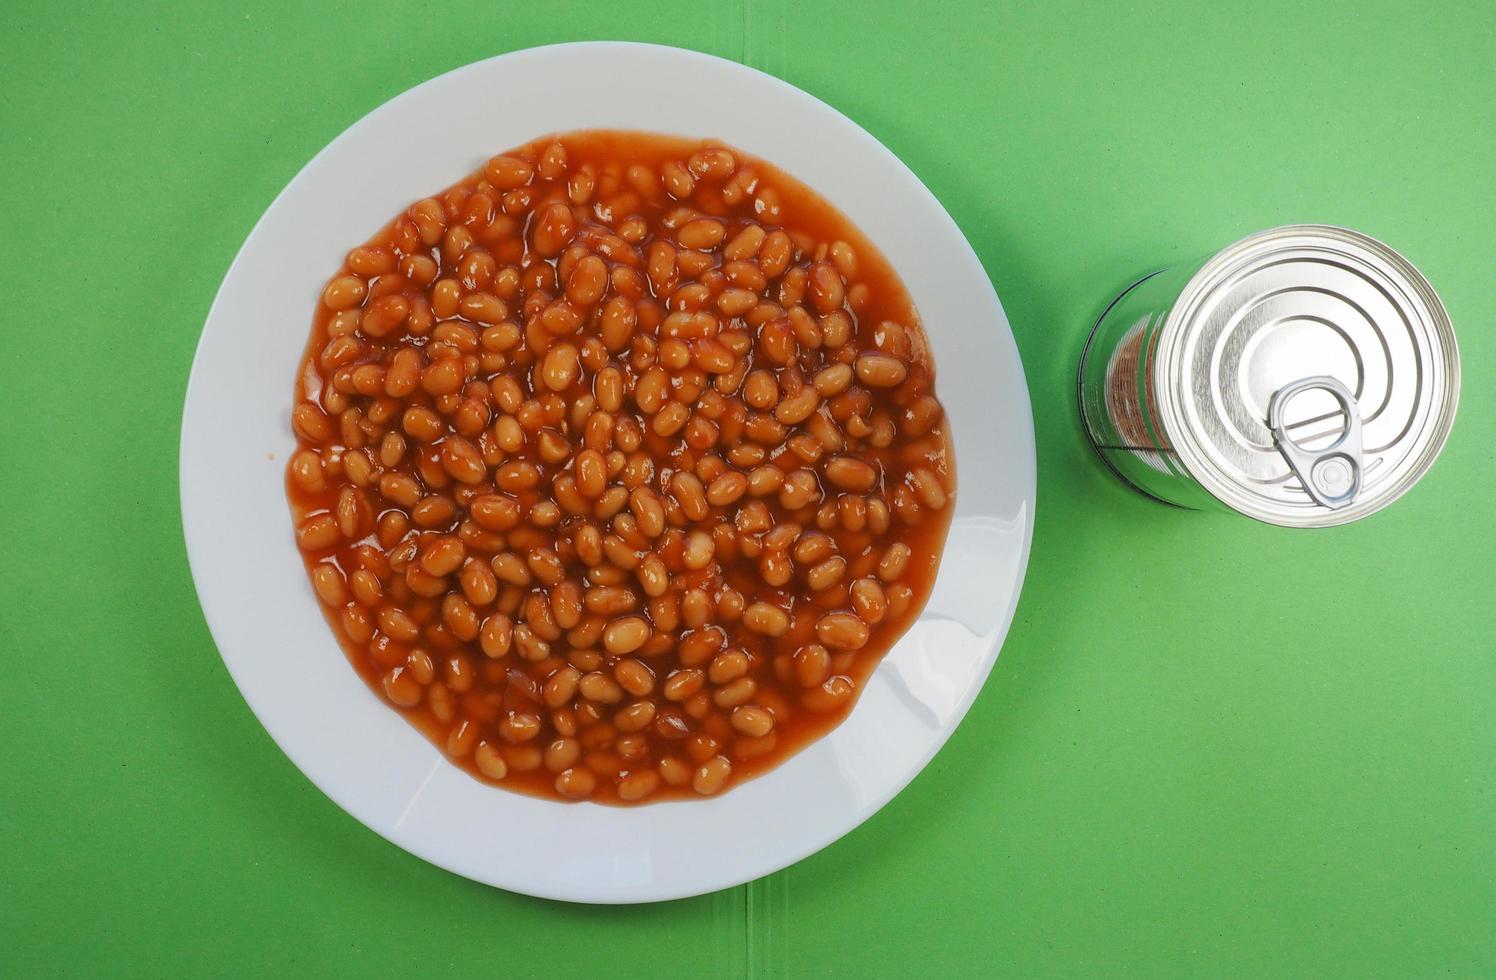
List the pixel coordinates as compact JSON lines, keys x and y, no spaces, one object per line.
{"x":775,"y":569}
{"x":880,"y":370}
{"x":675,"y":771}
{"x":391,"y":528}
{"x":403,"y":685}
{"x":519,"y":726}
{"x":682,"y":684}
{"x":545,"y":565}
{"x":422,"y":584}
{"x":403,"y":374}
{"x":517,"y":476}
{"x":698,"y":646}
{"x":432,"y":512}
{"x":494,"y":512}
{"x":560,"y":687}
{"x":736,"y":302}
{"x":752,"y":721}
{"x":619,"y":553}
{"x":397,"y":625}
{"x":357,"y":624}
{"x":422,"y":424}
{"x":823,"y":430}
{"x":764,"y":480}
{"x":462,"y":460}
{"x":370,"y":261}
{"x":797,"y":407}
{"x":833,"y":380}
{"x":421,"y":270}
{"x":328,"y":582}
{"x":490,"y":762}
{"x":634,"y":717}
{"x":712,"y":776}
{"x":496,"y":635}
{"x":812,"y":665}
{"x":462,"y":738}
{"x":310,"y":424}
{"x":776,"y":253}
{"x":566,"y":604}
{"x":522,"y":758}
{"x":366,"y":588}
{"x":609,"y":600}
{"x":483,"y":308}
{"x":634,"y":677}
{"x":800,"y":490}
{"x":344,"y":292}
{"x":851,"y":512}
{"x":921,"y":416}
{"x":826,"y":574}
{"x":443,"y":556}
{"x":392,"y":449}
{"x":400,"y":489}
{"x":831,"y":695}
{"x":647,"y":511}
{"x":827,"y":291}
{"x":900,"y":597}
{"x":561,"y":367}
{"x":690,"y":494}
{"x":842,"y":631}
{"x":745,"y":244}
{"x":851,"y":473}
{"x":844,"y":258}
{"x":587,"y":281}
{"x":626,"y":634}
{"x":670,"y":419}
{"x":928,"y":488}
{"x":702,"y":233}
{"x":735,"y":692}
{"x":318,"y":533}
{"x":664,"y":612}
{"x":698,"y":550}
{"x":712,"y":164}
{"x":563,"y":753}
{"x":678,"y":181}
{"x":726,"y":489}
{"x":760,"y":391}
{"x":868,"y":600}
{"x":766,"y":619}
{"x":895,"y":559}
{"x":306,"y":471}
{"x":638,"y":785}
{"x":458,"y":673}
{"x":478,"y":583}
{"x":653,"y":577}
{"x":507,"y":172}
{"x":576,"y":784}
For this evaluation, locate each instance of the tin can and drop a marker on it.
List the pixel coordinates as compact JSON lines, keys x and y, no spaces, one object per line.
{"x":1305,"y":376}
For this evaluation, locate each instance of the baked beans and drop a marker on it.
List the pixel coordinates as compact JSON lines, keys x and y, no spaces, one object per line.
{"x":619,"y":466}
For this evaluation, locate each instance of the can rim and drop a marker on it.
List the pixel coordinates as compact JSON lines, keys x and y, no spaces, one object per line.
{"x":1185,"y":439}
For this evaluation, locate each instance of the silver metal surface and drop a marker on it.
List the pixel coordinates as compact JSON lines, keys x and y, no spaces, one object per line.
{"x":1332,"y":475}
{"x":1180,"y":372}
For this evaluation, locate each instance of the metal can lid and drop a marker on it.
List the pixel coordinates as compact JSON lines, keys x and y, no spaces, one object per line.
{"x":1307,"y":376}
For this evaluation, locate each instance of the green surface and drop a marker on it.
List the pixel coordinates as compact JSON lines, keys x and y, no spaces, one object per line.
{"x":1276,"y":757}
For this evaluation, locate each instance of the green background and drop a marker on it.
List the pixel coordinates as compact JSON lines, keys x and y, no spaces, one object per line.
{"x":1209,"y":747}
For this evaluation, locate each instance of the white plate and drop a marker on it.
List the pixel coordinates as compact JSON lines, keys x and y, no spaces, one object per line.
{"x":236,"y":440}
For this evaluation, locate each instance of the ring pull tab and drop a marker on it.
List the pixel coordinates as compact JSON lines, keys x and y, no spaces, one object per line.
{"x":1332,"y":476}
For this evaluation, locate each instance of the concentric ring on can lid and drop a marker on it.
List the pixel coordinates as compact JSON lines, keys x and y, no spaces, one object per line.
{"x":1289,"y":305}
